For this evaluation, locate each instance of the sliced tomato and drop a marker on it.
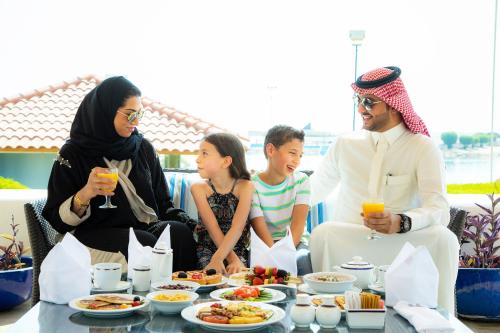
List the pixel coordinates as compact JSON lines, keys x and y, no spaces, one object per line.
{"x":216,"y":319}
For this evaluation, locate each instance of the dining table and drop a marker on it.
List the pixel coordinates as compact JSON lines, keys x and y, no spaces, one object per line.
{"x":45,"y":317}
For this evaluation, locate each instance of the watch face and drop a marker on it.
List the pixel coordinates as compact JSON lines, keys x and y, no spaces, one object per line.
{"x":406,"y":225}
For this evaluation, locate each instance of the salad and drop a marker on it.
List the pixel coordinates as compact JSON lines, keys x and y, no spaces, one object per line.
{"x":247,"y":293}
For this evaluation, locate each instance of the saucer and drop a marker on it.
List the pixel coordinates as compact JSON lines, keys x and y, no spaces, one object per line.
{"x":122,"y":286}
{"x":308,"y":290}
{"x":377,"y":287}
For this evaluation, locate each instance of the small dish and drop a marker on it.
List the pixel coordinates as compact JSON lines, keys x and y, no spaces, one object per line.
{"x":365,"y":318}
{"x":171,"y":307}
{"x":190,"y":286}
{"x":345,"y":282}
{"x":308,"y":290}
{"x":122,"y":286}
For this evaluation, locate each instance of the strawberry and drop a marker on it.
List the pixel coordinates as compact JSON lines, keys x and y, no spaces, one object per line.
{"x":275,"y":271}
{"x":258,"y":270}
{"x":257,"y":281}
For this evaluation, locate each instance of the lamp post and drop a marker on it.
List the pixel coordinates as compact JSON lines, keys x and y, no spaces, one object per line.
{"x":357,"y":37}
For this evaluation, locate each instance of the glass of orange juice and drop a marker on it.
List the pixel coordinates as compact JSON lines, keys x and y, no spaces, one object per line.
{"x":113,"y":175}
{"x":373,"y":207}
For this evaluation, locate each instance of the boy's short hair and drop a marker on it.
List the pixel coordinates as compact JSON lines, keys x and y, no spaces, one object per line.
{"x":280,"y":134}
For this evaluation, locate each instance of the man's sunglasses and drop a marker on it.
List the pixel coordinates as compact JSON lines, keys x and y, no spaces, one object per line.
{"x":132,"y":116}
{"x":366,"y":102}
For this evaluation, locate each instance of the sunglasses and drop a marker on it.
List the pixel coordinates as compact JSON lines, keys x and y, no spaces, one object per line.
{"x":366,"y":102}
{"x":132,"y":116}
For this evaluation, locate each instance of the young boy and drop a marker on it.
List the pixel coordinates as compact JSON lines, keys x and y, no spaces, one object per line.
{"x":282,"y":194}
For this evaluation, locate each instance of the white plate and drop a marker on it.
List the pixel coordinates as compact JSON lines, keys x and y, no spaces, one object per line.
{"x":241,"y":282}
{"x":109,"y":313}
{"x":276,"y":295}
{"x":377,"y":287}
{"x":190,"y":315}
{"x":121,"y":286}
{"x":308,"y":290}
{"x":205,"y":288}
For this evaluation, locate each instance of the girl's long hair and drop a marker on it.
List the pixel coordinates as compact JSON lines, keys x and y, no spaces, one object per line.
{"x":229,"y":145}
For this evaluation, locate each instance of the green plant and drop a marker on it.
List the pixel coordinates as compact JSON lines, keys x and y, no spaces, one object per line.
{"x":7,"y":184}
{"x":11,"y":257}
{"x":466,"y":140}
{"x":449,"y":138}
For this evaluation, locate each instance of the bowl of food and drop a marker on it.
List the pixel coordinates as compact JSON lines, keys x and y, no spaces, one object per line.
{"x":175,"y":285}
{"x":171,"y":301}
{"x":329,"y":282}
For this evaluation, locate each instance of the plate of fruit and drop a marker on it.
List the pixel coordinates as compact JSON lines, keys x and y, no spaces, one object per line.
{"x":248,"y":294}
{"x":272,"y":277}
{"x":207,"y":280}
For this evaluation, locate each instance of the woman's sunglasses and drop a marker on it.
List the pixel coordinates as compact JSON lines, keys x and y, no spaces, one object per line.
{"x":366,"y":102}
{"x":132,"y":116}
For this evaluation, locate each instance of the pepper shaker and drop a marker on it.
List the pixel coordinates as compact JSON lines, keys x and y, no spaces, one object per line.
{"x":327,"y":314}
{"x":302,"y":312}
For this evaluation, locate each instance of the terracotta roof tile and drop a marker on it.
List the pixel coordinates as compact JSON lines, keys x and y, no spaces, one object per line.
{"x":40,"y":120}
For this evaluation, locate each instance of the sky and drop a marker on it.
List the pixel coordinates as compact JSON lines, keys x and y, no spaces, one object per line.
{"x":248,"y":65}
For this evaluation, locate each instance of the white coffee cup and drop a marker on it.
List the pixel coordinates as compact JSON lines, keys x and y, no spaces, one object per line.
{"x":141,"y":278}
{"x":381,"y":270}
{"x":107,"y":275}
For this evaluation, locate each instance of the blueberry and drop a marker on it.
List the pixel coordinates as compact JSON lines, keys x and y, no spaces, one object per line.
{"x":137,"y":299}
{"x":182,"y":275}
{"x":211,"y":271}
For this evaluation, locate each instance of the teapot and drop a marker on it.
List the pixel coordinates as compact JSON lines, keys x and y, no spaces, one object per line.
{"x":362,"y":270}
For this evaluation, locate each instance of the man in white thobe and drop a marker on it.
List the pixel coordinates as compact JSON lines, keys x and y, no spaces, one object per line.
{"x":392,"y":160}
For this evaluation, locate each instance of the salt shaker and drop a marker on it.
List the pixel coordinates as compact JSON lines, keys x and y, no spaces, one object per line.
{"x":157,"y":259}
{"x":302,"y":312}
{"x":141,"y":278}
{"x":327,"y":314}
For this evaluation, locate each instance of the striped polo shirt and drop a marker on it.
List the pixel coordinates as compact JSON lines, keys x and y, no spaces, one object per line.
{"x":275,"y":202}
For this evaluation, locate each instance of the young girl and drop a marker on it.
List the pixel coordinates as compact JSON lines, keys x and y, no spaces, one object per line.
{"x":223,"y":200}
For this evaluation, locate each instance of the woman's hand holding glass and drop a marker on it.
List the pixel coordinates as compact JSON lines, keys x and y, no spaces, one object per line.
{"x":101,"y":181}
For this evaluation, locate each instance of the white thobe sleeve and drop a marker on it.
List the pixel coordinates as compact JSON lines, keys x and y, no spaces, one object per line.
{"x":434,"y":208}
{"x":326,"y":176}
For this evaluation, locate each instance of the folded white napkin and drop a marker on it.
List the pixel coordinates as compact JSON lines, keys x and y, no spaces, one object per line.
{"x":139,"y":255}
{"x":412,"y":277}
{"x":424,"y":320}
{"x":282,"y":254}
{"x":65,"y":272}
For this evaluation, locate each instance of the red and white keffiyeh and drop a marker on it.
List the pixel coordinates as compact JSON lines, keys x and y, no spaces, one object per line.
{"x":386,"y":84}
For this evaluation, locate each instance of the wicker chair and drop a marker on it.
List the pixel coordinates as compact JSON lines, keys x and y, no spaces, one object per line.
{"x":42,"y":239}
{"x":457,"y":221}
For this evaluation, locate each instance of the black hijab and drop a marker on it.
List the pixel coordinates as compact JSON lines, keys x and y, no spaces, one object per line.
{"x":93,"y":130}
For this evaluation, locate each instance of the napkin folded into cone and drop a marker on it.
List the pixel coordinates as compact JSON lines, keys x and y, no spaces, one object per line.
{"x":281,"y":255}
{"x":412,"y":277}
{"x":65,"y":272}
{"x":139,"y":255}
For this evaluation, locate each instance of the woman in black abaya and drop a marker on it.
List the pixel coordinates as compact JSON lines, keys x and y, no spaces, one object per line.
{"x":104,"y":135}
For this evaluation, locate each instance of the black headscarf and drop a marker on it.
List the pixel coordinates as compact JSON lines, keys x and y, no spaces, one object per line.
{"x":93,"y":130}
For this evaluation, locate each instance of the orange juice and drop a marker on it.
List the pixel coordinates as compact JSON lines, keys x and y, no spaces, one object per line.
{"x":372,"y":207}
{"x":112,"y":176}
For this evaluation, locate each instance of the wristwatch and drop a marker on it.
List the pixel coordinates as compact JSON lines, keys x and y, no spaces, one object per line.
{"x":405,"y":225}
